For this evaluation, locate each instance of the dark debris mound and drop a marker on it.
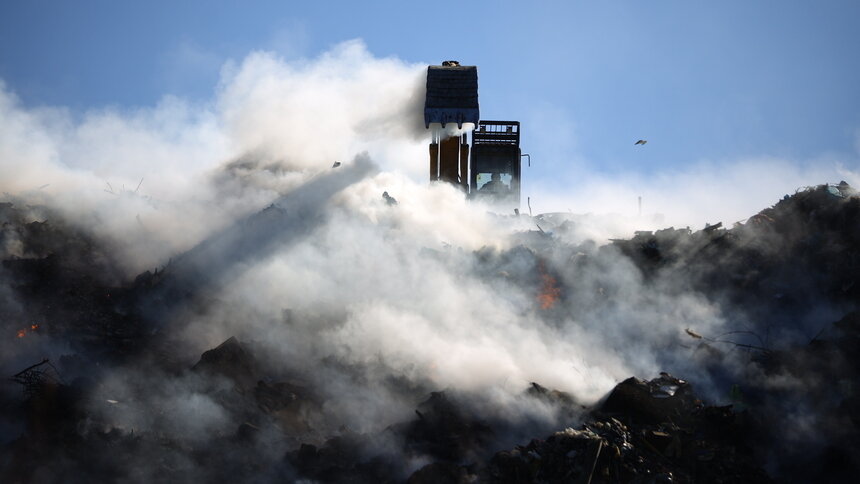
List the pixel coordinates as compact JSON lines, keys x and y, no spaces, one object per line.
{"x":646,"y":431}
{"x":787,"y":257}
{"x":343,"y":458}
{"x":66,"y":283}
{"x":443,"y":430}
{"x":660,"y":400}
{"x":230,"y":359}
{"x":777,"y":268}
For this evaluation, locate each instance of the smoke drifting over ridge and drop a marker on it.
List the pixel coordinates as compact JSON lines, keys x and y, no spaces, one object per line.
{"x":271,"y":123}
{"x":330,"y":284}
{"x":270,"y":126}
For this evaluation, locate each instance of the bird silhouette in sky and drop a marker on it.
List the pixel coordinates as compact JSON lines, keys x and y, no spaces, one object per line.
{"x":641,"y":142}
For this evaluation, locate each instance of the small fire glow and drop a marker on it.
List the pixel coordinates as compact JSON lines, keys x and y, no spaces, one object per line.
{"x":23,"y":332}
{"x":550,"y":291}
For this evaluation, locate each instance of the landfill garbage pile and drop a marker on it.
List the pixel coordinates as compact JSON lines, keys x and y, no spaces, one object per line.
{"x":774,"y":398}
{"x":67,"y":280}
{"x":794,"y":254}
{"x":645,"y":431}
{"x":790,"y":274}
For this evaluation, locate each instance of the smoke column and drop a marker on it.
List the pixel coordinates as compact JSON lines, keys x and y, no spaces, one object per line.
{"x":435,"y":291}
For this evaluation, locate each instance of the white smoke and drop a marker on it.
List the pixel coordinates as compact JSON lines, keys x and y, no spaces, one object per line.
{"x":704,"y":192}
{"x":432,"y":286}
{"x":154,"y":180}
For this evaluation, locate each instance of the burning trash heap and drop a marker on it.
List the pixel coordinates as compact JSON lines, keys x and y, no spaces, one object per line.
{"x":749,"y":333}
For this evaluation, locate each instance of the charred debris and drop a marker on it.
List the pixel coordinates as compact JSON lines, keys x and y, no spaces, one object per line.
{"x":789,"y":272}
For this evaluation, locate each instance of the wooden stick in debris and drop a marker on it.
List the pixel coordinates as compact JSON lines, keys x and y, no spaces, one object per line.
{"x":587,"y":478}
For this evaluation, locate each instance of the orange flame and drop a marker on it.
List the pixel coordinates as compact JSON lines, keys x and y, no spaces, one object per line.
{"x":23,"y":332}
{"x":550,"y":291}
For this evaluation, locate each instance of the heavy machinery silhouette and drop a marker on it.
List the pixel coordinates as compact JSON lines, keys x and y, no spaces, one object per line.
{"x":491,"y":172}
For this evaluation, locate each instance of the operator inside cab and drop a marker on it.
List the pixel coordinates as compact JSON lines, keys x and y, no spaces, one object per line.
{"x":495,"y":185}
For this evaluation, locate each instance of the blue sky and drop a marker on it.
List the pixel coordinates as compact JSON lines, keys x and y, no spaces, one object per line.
{"x":712,"y":82}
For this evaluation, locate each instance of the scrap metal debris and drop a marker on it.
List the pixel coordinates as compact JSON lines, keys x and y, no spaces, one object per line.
{"x":34,"y":378}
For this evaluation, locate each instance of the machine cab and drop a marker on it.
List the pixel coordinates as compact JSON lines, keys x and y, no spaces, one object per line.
{"x":495,"y":163}
{"x":491,"y":172}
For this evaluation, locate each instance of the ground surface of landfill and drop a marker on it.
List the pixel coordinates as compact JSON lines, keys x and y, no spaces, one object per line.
{"x":775,"y":399}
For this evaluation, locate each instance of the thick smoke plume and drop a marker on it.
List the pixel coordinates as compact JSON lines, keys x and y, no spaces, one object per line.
{"x":237,"y":206}
{"x":175,"y":172}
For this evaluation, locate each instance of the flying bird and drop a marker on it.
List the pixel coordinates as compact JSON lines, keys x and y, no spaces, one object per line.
{"x":641,"y":142}
{"x":336,"y":164}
